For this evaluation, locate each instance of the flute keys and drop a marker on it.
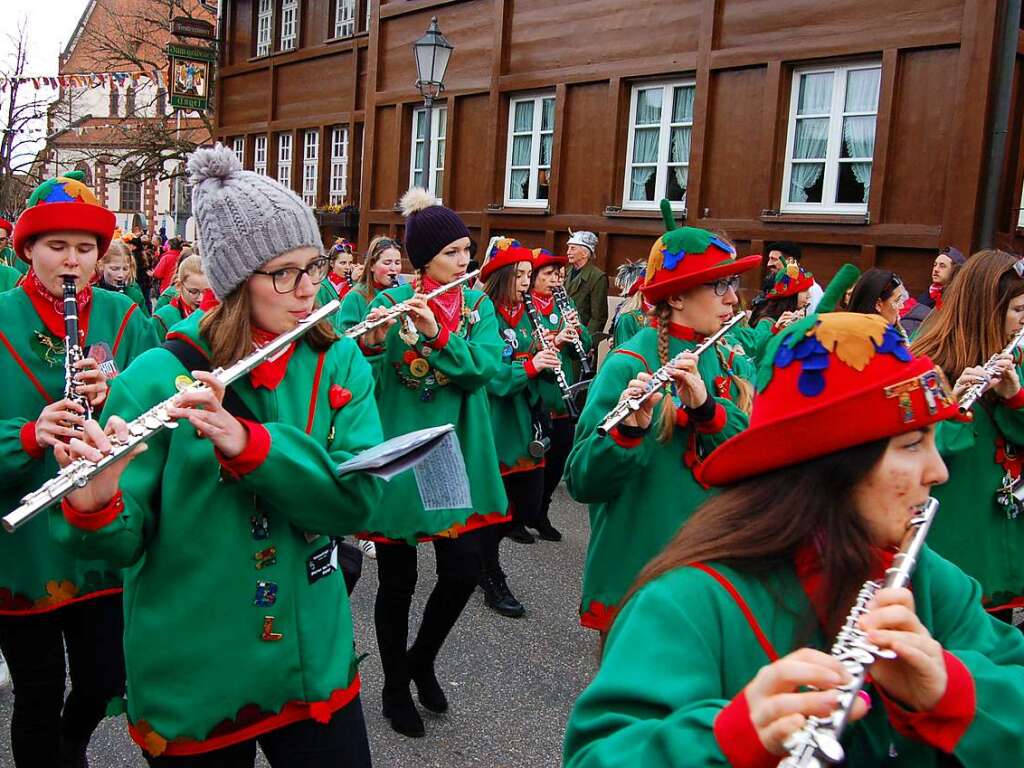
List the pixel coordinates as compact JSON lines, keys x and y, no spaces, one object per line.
{"x":829,"y":747}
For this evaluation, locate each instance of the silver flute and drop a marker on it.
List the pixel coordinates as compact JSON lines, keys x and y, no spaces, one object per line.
{"x":972,"y":395}
{"x":568,"y":391}
{"x":562,"y":301}
{"x":402,"y":307}
{"x":72,"y":348}
{"x":140,"y":429}
{"x":661,"y":377}
{"x":817,"y":743}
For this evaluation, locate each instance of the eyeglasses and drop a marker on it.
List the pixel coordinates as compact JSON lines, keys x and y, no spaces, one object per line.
{"x":722,"y":286}
{"x":286,"y":280}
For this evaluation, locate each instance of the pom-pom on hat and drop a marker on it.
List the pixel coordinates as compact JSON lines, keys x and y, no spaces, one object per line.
{"x":429,"y":227}
{"x":504,"y":252}
{"x":244,"y":219}
{"x":789,"y":281}
{"x":685,"y":257}
{"x":542,"y":257}
{"x":64,"y":203}
{"x":831,"y":382}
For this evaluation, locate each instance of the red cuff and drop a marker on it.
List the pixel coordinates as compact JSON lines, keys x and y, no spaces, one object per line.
{"x":252,"y":456}
{"x":621,"y":439}
{"x":1017,"y":401}
{"x":530,"y":368}
{"x":93,"y":521}
{"x":682,"y":418}
{"x":715,"y":424}
{"x":738,"y":739}
{"x":943,"y":726}
{"x":441,"y":340}
{"x":28,"y":441}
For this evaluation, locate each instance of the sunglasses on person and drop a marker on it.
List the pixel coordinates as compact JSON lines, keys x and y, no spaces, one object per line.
{"x":721,"y":287}
{"x":288,"y":278}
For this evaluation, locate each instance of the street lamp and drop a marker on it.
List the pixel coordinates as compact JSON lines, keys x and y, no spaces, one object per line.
{"x":432,"y":52}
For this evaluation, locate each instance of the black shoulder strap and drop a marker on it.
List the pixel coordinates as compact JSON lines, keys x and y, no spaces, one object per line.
{"x":194,"y":360}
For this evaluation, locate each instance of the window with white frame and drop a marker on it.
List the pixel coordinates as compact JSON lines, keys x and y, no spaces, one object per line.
{"x":259,"y":155}
{"x":284,"y":159}
{"x":438,"y":131}
{"x":658,"y":147}
{"x":289,"y":24}
{"x":531,"y":126}
{"x":339,"y":164}
{"x":238,"y":147}
{"x":369,"y":14}
{"x":310,"y":160}
{"x":831,"y":139}
{"x":344,"y":18}
{"x":264,"y":23}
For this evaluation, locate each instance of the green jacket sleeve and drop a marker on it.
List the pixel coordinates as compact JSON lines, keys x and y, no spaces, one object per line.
{"x":1010,"y":420}
{"x":14,"y":461}
{"x":353,"y":310}
{"x":165,"y":298}
{"x":626,"y":327}
{"x":511,"y":378}
{"x":471,"y":362}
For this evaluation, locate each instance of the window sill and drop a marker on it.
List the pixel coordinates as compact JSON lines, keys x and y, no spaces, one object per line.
{"x":616,"y":212}
{"x":343,"y":38}
{"x":519,"y":210}
{"x":777,"y":217}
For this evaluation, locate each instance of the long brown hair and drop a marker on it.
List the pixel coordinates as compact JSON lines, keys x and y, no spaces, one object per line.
{"x":969,"y":328}
{"x":227,"y":328}
{"x":762,"y":521}
{"x":501,"y":285}
{"x":378,"y":245}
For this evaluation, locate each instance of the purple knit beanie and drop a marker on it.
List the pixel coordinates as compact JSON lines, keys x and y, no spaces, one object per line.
{"x":429,"y":227}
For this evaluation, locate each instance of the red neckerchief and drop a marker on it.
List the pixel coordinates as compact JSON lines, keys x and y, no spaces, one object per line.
{"x":512,"y":316}
{"x":269,"y":373}
{"x":336,"y":279}
{"x":179,"y":304}
{"x":935,"y":294}
{"x":50,"y":308}
{"x":807,"y":561}
{"x":677,"y":331}
{"x":448,"y":306}
{"x":545,"y":302}
{"x":209,"y":300}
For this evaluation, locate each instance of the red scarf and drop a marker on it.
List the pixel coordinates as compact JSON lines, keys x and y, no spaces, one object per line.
{"x":935,"y":294}
{"x":544,"y":302}
{"x":209,"y":300}
{"x":512,"y":315}
{"x":50,"y":308}
{"x":179,"y":304}
{"x":677,"y":331}
{"x":447,"y":307}
{"x":269,"y":373}
{"x":336,"y":279}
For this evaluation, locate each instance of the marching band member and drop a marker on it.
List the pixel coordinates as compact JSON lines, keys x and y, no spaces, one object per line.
{"x":632,"y":314}
{"x":714,"y":658}
{"x":785,"y":301}
{"x":116,"y":272}
{"x":880,"y":291}
{"x":51,"y":602}
{"x":513,"y":399}
{"x":639,"y":481}
{"x":381,"y":269}
{"x":432,"y":369}
{"x":209,"y":511}
{"x":549,"y":273}
{"x":190,"y":283}
{"x":980,"y":528}
{"x":344,"y":271}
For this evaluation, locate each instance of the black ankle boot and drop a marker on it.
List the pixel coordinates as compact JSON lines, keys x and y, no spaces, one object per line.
{"x":430,"y":692}
{"x":517,"y":532}
{"x":548,"y":532}
{"x":401,"y":713}
{"x":499,"y":598}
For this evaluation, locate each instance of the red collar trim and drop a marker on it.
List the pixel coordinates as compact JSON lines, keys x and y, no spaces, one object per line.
{"x":179,"y":304}
{"x":677,"y":331}
{"x":807,"y":561}
{"x":50,"y":308}
{"x":512,"y":316}
{"x":270,"y":373}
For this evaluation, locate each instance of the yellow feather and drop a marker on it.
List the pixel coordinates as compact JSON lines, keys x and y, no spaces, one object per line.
{"x":654,"y":261}
{"x":852,"y":336}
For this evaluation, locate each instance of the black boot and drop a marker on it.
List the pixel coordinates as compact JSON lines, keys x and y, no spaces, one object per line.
{"x":499,"y":598}
{"x":518,"y":533}
{"x":73,"y":754}
{"x":547,"y":531}
{"x":431,"y":694}
{"x":401,"y":713}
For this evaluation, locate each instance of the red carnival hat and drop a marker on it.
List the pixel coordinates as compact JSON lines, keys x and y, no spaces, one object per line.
{"x":504,"y":252}
{"x":789,"y":281}
{"x":64,"y":203}
{"x":542,"y":257}
{"x":835,"y":381}
{"x":685,"y":257}
{"x":6,"y":226}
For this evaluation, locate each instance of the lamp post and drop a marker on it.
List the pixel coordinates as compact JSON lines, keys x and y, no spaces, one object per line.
{"x":432,"y":52}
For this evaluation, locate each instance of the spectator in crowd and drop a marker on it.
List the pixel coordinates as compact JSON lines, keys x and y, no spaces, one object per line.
{"x":947,"y":264}
{"x":587,"y":285}
{"x":167,"y":267}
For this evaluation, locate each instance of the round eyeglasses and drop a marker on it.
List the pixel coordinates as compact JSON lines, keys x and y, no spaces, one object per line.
{"x":722,"y":286}
{"x":286,"y":280}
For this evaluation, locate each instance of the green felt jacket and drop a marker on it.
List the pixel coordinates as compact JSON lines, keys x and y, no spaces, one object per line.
{"x":10,"y":258}
{"x":211,"y":552}
{"x":35,"y":574}
{"x":353,"y":308}
{"x":166,"y":297}
{"x":682,"y":649}
{"x":640,"y":491}
{"x":9,"y":277}
{"x":133,"y":292}
{"x":973,"y":530}
{"x":588,"y":289}
{"x":430,"y":384}
{"x":165,"y":318}
{"x":627,"y":325}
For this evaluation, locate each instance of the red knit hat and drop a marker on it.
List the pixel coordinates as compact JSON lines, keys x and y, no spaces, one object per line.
{"x":835,"y":381}
{"x":685,"y":257}
{"x":64,"y":203}
{"x":542,"y":257}
{"x":504,"y":252}
{"x":790,"y":281}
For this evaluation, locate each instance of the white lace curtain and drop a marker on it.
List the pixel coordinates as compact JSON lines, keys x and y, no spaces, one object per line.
{"x":811,"y":139}
{"x":859,"y":131}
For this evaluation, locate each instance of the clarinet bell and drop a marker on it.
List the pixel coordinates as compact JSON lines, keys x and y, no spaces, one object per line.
{"x":538,"y":447}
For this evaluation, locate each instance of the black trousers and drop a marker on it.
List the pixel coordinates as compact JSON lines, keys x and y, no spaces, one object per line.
{"x":562,"y":431}
{"x":340,"y":743}
{"x":458,"y":572}
{"x":524,"y":491}
{"x":45,"y":725}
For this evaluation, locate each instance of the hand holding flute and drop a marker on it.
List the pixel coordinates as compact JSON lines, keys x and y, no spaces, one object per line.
{"x":998,"y":374}
{"x":690,"y":387}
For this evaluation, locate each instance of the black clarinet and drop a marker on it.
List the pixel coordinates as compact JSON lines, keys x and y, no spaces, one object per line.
{"x":562,"y":302}
{"x":72,"y":348}
{"x":568,"y":395}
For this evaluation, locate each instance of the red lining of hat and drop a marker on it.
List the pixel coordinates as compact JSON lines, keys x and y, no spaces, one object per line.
{"x":69,"y":217}
{"x":675,"y":281}
{"x":544,"y":260}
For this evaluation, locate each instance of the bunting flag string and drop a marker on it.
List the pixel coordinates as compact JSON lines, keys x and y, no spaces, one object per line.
{"x":119,"y":80}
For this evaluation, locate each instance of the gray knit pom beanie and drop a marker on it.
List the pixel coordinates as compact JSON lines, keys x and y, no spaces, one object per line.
{"x":244,"y":219}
